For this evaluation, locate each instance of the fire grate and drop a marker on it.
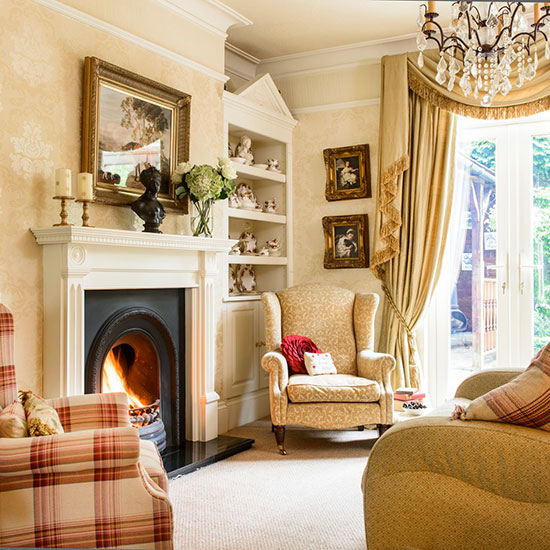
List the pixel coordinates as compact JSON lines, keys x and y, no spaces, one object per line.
{"x":144,"y":416}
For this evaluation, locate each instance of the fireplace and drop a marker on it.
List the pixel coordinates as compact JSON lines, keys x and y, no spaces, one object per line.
{"x":83,"y":269}
{"x":134,"y":342}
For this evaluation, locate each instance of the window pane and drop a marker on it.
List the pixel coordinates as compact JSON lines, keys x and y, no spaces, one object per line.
{"x":541,"y":239}
{"x":473,"y":299}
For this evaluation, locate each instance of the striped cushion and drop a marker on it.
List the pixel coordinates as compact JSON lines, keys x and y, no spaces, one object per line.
{"x":525,"y":400}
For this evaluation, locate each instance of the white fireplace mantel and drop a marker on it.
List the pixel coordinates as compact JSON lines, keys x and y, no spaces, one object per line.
{"x":76,"y":259}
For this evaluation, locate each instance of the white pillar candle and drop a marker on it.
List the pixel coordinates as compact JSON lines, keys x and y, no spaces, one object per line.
{"x":85,"y":187}
{"x":63,"y":182}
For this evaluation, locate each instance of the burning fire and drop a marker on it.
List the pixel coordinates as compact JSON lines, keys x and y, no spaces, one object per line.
{"x":113,"y":379}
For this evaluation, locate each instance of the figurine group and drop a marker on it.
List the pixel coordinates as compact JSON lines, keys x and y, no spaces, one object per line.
{"x":244,"y":198}
{"x":242,"y":279}
{"x":244,"y":151}
{"x":248,"y":245}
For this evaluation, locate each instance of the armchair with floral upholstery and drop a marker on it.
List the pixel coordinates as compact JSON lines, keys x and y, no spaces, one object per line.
{"x":341,"y":323}
{"x":95,"y":486}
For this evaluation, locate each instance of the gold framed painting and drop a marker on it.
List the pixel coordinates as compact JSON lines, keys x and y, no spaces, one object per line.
{"x":348,"y":173}
{"x":346,"y":241}
{"x":130,"y":123}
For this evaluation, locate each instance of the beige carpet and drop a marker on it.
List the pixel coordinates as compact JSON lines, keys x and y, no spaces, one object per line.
{"x":259,"y":500}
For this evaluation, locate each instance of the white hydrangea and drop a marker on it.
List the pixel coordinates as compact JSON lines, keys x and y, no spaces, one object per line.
{"x":228,"y":172}
{"x":181,"y":169}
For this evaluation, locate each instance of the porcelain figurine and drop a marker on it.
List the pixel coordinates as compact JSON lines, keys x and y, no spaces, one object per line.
{"x":246,"y":197}
{"x":247,"y":241}
{"x":233,"y":201}
{"x":233,"y":276}
{"x":264,"y":251}
{"x":244,"y":150}
{"x":270,"y":206}
{"x":273,"y":165}
{"x":235,"y":249}
{"x":247,"y":279}
{"x":274,"y":247}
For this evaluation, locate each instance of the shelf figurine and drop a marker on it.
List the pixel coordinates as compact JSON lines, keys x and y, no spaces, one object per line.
{"x":244,"y":150}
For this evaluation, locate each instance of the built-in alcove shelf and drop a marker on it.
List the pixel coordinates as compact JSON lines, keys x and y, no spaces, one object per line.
{"x":255,"y":215}
{"x":257,"y":260}
{"x":258,"y":174}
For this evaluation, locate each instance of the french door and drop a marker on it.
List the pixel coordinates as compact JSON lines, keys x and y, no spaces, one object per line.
{"x":492,"y":305}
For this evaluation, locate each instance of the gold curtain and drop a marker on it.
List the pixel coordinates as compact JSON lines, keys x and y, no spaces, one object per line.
{"x":409,"y":277}
{"x":417,"y":134}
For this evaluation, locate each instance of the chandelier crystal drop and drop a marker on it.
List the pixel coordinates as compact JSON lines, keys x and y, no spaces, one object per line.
{"x":484,"y":43}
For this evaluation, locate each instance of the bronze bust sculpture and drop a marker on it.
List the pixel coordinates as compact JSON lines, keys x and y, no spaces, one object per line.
{"x":148,"y":207}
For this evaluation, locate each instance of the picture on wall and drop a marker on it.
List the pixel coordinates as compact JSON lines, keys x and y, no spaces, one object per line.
{"x":346,"y":241}
{"x":131,"y":123}
{"x":348,"y":173}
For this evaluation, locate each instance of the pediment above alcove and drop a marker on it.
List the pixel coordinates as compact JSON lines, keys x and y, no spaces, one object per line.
{"x":263,"y":91}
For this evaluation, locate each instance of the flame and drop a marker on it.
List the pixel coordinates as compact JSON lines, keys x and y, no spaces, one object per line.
{"x":113,"y":379}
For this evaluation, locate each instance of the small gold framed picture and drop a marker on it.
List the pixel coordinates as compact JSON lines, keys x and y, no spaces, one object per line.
{"x":348,"y":173}
{"x":346,"y":241}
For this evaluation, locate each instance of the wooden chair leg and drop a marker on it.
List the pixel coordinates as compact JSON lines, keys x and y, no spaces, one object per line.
{"x":280,"y":438}
{"x":382,"y":428}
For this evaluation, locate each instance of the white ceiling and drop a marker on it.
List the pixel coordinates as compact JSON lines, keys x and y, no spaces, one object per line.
{"x":284,"y":27}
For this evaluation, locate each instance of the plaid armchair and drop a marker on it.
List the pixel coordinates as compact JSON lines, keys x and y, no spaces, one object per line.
{"x":95,"y":486}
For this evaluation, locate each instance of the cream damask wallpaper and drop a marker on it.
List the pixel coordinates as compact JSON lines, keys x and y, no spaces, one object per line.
{"x":40,"y":116}
{"x":315,"y":132}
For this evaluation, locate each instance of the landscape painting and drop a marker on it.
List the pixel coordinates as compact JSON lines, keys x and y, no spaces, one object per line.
{"x":134,"y":134}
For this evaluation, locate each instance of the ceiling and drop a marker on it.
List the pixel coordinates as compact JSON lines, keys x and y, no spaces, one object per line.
{"x":284,"y":27}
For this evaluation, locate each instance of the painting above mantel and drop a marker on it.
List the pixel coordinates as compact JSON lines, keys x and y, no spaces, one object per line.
{"x":131,"y":123}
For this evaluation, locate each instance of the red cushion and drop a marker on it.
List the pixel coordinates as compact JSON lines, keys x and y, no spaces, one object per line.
{"x":293,"y":348}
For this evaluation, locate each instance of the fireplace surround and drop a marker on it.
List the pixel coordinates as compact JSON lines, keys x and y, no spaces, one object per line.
{"x":77,"y":260}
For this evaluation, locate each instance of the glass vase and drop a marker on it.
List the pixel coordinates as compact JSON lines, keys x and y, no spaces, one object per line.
{"x":201,"y":222}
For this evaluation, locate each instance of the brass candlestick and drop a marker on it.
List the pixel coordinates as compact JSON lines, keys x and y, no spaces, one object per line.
{"x":85,"y":216}
{"x":63,"y":212}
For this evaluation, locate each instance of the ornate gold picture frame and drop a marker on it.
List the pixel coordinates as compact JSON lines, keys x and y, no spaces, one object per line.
{"x":346,"y":241}
{"x":129,"y":123}
{"x":348,"y":173}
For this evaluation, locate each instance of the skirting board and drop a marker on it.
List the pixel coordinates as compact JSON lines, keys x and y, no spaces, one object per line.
{"x":243,"y":409}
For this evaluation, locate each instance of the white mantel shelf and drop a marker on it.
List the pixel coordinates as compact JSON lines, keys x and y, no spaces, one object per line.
{"x":81,"y":259}
{"x":117,"y":237}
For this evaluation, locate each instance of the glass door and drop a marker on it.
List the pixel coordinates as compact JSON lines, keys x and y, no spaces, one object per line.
{"x":534,"y":258}
{"x":492,"y":305}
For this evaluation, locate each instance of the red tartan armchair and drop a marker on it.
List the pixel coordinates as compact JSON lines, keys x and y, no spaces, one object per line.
{"x":95,"y":486}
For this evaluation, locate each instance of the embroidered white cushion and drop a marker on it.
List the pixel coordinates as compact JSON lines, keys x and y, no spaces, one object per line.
{"x":319,"y":363}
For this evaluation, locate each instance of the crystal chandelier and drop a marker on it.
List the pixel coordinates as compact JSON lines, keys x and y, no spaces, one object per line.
{"x":484,"y":41}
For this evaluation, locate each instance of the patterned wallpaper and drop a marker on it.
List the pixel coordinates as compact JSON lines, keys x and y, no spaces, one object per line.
{"x":315,"y":132}
{"x":40,"y":112}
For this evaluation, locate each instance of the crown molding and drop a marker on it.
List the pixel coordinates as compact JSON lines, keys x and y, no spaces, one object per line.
{"x":113,"y":30}
{"x":212,"y":15}
{"x":336,"y":106}
{"x":328,"y":59}
{"x":239,"y":62}
{"x":241,"y":53}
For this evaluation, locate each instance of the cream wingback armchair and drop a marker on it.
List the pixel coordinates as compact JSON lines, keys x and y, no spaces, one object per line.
{"x":341,"y":323}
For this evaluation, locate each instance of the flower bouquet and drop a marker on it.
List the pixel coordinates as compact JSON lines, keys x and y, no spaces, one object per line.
{"x":205,"y":185}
